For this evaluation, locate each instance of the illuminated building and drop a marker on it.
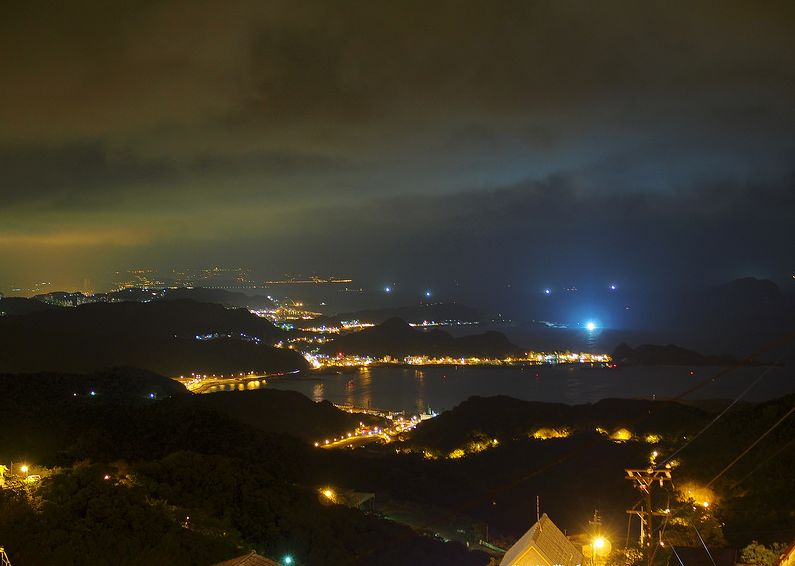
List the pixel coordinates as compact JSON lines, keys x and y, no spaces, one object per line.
{"x":544,"y":543}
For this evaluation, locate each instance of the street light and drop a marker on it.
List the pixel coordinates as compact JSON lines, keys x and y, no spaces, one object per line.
{"x":23,"y":468}
{"x":600,"y":548}
{"x":288,"y":560}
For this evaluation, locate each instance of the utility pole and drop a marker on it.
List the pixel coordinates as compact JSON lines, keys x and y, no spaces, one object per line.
{"x":596,"y":523}
{"x":596,"y":527}
{"x":644,"y":481}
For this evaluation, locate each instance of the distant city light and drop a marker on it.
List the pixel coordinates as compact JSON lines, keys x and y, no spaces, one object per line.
{"x":92,"y":392}
{"x":547,"y":291}
{"x":387,"y":289}
{"x":427,"y":293}
{"x":590,"y":326}
{"x":613,"y":287}
{"x":288,"y":559}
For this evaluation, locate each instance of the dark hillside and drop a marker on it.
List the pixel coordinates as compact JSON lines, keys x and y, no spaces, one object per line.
{"x":10,"y":306}
{"x":273,"y":410}
{"x":181,"y":318}
{"x":160,"y":337}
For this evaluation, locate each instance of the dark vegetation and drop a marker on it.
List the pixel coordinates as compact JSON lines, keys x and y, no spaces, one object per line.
{"x":508,"y":418}
{"x":395,"y":337}
{"x":20,"y":305}
{"x":224,"y":461}
{"x":756,"y":493}
{"x":272,"y":410}
{"x":157,"y":336}
{"x":584,"y":471}
{"x":185,"y":485}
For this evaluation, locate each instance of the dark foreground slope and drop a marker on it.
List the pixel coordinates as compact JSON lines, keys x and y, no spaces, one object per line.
{"x":272,"y":410}
{"x":497,"y":483}
{"x":142,"y":480}
{"x":10,"y":306}
{"x":506,"y":418}
{"x":158,"y":336}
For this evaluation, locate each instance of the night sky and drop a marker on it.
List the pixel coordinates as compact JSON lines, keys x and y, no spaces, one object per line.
{"x":536,"y":143}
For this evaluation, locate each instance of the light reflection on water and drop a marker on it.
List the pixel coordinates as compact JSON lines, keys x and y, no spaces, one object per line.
{"x":365,"y":380}
{"x":419,"y":380}
{"x":317,"y":392}
{"x":439,"y":388}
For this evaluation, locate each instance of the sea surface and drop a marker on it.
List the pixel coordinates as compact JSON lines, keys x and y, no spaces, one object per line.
{"x":418,"y":390}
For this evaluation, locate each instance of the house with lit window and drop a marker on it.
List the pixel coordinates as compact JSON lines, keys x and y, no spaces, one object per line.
{"x":543,"y":545}
{"x":251,"y":559}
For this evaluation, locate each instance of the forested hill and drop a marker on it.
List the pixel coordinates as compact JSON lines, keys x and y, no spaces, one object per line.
{"x":170,"y":338}
{"x":127,"y":479}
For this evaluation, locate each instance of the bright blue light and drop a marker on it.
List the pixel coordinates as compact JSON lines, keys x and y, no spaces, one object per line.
{"x":151,"y":395}
{"x":613,"y":287}
{"x":590,"y":326}
{"x":92,"y":392}
{"x":288,"y":559}
{"x":427,"y":293}
{"x":547,"y":291}
{"x":387,"y":289}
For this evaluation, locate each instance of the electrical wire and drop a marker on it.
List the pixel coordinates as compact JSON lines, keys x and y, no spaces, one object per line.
{"x":754,"y":443}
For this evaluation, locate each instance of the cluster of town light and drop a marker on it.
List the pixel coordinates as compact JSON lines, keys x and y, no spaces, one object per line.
{"x":534,"y":358}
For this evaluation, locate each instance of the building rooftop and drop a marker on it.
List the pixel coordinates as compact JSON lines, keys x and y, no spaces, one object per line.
{"x":250,"y":559}
{"x":547,"y":540}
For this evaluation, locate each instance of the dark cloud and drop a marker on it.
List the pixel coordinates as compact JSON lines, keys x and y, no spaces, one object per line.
{"x":160,"y":131}
{"x":77,"y":174}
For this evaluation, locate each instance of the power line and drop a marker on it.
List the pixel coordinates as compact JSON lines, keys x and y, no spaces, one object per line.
{"x":748,"y":360}
{"x":765,"y":461}
{"x":754,"y":443}
{"x":736,"y":400}
{"x":704,"y":545}
{"x":770,"y":346}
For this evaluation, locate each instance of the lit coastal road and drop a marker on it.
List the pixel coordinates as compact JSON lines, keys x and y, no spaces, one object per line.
{"x":205,"y":383}
{"x":356,"y":440}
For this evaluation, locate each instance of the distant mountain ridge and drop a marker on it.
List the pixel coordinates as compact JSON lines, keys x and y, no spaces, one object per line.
{"x":181,"y":318}
{"x":10,"y":306}
{"x":114,"y":384}
{"x":140,"y":295}
{"x":395,"y":337}
{"x":157,"y":336}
